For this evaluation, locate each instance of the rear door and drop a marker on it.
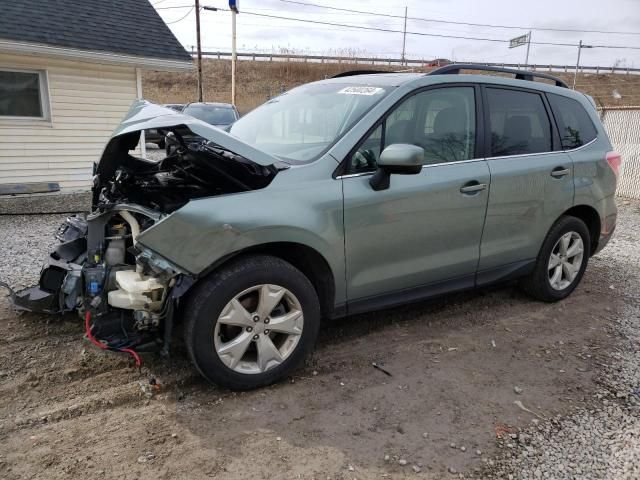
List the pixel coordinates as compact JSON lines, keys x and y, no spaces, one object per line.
{"x":531,"y":179}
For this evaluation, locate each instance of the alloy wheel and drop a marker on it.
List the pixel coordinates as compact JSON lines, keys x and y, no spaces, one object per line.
{"x":565,"y":260}
{"x":258,"y":329}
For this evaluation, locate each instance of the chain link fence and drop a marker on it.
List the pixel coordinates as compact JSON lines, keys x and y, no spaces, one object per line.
{"x":623,"y":127}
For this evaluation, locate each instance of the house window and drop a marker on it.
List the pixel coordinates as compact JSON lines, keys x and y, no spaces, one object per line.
{"x":23,"y":94}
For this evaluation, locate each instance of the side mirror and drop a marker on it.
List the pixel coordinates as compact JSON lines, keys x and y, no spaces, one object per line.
{"x":399,"y":158}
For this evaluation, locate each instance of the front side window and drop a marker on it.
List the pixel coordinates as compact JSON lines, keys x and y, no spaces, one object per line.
{"x":21,"y":94}
{"x":576,"y":128}
{"x":519,"y":123}
{"x":301,"y":124}
{"x":441,"y":121}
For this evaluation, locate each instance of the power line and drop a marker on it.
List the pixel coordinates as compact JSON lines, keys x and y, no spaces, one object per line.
{"x":422,"y":34}
{"x":173,"y":7}
{"x":389,"y":30}
{"x":434,"y":20}
{"x":182,"y":18}
{"x":375,"y":29}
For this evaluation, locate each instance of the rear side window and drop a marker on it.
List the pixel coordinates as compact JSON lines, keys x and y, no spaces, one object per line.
{"x":519,"y":123}
{"x":576,"y":128}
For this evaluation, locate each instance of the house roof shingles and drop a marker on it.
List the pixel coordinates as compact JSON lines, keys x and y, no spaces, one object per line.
{"x":131,"y":27}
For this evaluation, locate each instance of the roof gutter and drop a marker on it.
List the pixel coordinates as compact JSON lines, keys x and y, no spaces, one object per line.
{"x":95,"y":56}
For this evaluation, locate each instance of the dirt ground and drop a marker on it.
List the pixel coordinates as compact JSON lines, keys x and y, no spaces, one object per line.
{"x":68,"y":410}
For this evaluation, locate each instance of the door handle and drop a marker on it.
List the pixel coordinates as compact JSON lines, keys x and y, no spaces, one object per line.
{"x":473,"y":187}
{"x":560,"y":172}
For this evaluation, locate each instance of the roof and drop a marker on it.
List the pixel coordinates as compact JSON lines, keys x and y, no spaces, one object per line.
{"x":210,"y":104}
{"x":396,"y":79}
{"x":130,"y":27}
{"x":391,"y":79}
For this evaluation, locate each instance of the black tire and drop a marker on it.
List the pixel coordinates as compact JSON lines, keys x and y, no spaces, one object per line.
{"x":537,"y":283}
{"x":206,"y":302}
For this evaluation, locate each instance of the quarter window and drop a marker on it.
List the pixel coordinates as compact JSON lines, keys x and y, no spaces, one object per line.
{"x":441,"y":121}
{"x":519,"y":123}
{"x":23,"y":94}
{"x":576,"y":128}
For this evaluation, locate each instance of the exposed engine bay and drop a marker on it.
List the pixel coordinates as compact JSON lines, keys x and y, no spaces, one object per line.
{"x":126,"y":294}
{"x":193,"y":170}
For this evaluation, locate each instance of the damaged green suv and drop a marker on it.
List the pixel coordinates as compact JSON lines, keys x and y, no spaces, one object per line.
{"x":342,"y":196}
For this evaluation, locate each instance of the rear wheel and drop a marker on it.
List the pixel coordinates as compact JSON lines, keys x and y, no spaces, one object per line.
{"x":561,"y":262}
{"x":251,"y":323}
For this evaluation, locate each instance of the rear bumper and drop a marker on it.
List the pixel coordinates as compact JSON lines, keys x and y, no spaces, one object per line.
{"x":602,"y":242}
{"x":606,"y":232}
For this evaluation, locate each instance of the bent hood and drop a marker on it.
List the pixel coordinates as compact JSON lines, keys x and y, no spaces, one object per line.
{"x":144,"y":115}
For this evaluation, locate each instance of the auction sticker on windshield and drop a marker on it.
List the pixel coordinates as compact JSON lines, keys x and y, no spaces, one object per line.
{"x":361,"y":90}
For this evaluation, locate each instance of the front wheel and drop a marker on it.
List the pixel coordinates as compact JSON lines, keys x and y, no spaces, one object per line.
{"x":561,"y":262}
{"x":251,"y":323}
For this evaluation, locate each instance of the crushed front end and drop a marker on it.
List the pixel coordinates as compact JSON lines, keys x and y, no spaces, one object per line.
{"x":125,"y":293}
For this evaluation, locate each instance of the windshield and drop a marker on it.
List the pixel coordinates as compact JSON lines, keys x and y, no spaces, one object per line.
{"x":301,"y":124}
{"x":213,"y":115}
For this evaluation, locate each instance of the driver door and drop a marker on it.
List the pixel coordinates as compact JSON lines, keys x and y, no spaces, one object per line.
{"x":421,"y":236}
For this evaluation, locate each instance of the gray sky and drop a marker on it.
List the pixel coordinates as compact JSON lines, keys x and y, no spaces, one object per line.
{"x":272,"y":35}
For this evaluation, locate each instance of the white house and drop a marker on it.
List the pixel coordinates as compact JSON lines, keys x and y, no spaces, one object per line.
{"x":69,"y":70}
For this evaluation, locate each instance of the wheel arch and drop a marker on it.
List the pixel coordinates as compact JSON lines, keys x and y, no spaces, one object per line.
{"x":591,"y":218}
{"x":306,"y":259}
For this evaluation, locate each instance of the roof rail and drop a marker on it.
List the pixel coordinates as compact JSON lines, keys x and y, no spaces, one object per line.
{"x":455,"y":68}
{"x":351,"y":73}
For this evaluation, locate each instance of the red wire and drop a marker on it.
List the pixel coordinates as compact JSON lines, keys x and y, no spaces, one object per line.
{"x":92,"y":339}
{"x":87,"y":328}
{"x":134,"y":354}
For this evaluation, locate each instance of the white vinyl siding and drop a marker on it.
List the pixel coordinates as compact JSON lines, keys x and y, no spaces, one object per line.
{"x":87,"y":102}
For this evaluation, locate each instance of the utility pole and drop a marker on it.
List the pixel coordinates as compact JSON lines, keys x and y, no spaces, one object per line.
{"x":234,"y":56}
{"x":575,"y":75}
{"x":404,"y":36}
{"x":199,"y":51}
{"x":526,"y":61}
{"x":233,"y":6}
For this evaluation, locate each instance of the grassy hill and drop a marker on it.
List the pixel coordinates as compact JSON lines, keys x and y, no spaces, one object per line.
{"x":261,"y":80}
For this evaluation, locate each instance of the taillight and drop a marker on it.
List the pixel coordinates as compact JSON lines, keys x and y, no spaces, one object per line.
{"x":614,"y":160}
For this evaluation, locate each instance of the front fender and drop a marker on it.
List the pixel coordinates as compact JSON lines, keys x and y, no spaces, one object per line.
{"x":297,"y":210}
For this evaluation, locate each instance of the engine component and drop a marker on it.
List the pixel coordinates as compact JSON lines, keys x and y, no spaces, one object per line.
{"x":116,"y":245}
{"x":136,"y":292}
{"x":72,"y":228}
{"x":114,"y":254}
{"x":145,"y":320}
{"x":72,"y":289}
{"x":94,"y":280}
{"x":133,"y":223}
{"x":151,"y":263}
{"x":201,"y":170}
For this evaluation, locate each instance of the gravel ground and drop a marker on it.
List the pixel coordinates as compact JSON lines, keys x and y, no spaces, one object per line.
{"x":602,"y":441}
{"x":23,"y":249}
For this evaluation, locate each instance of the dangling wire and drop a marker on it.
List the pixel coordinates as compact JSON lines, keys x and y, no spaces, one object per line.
{"x":103,"y":346}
